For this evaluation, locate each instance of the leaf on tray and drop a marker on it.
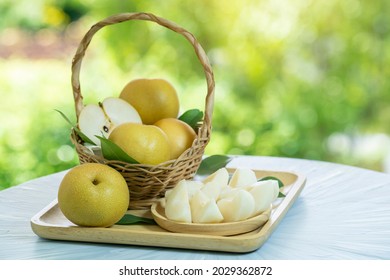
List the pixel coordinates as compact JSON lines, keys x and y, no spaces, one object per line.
{"x":280,"y":183}
{"x":281,"y":195}
{"x":129,"y":219}
{"x":192,"y":117}
{"x":112,"y":151}
{"x":212,"y":164}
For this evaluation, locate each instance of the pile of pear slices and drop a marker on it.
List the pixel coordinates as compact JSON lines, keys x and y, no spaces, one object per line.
{"x":218,"y":199}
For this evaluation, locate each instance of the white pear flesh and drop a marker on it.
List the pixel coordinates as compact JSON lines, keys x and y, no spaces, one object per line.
{"x":119,"y":111}
{"x":237,"y":206}
{"x":273,"y":183}
{"x":92,"y":121}
{"x":263,"y":193}
{"x":225,"y":191}
{"x":177,"y":205}
{"x":204,"y":209}
{"x":193,"y":187}
{"x":212,"y":189}
{"x":221,"y":176}
{"x":243,"y":177}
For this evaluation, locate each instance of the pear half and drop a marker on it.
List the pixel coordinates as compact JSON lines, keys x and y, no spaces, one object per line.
{"x":93,"y":121}
{"x":101,"y":119}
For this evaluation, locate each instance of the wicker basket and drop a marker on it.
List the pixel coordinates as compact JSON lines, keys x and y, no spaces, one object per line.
{"x":148,"y":183}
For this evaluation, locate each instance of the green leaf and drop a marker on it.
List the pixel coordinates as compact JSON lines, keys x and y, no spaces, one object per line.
{"x":129,"y":219}
{"x":65,"y":118}
{"x":83,"y":137}
{"x":112,"y":151}
{"x":281,"y":194}
{"x":192,"y":117}
{"x":280,"y":183}
{"x":212,"y":164}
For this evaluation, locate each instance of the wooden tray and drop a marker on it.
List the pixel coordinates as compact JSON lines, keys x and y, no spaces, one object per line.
{"x":50,"y":223}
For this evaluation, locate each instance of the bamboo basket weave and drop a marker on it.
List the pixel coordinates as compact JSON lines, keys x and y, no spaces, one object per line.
{"x":148,"y":183}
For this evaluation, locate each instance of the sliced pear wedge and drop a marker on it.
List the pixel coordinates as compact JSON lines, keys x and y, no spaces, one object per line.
{"x":193,"y":187}
{"x":212,"y":189}
{"x":237,"y":206}
{"x":264,"y":193}
{"x":242,"y":177}
{"x":221,"y":177}
{"x":204,"y":209}
{"x":177,"y":205}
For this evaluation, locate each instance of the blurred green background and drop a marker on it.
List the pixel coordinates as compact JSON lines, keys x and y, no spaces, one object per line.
{"x":304,"y":79}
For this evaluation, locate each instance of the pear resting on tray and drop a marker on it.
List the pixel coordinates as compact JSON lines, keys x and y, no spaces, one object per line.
{"x":218,"y":199}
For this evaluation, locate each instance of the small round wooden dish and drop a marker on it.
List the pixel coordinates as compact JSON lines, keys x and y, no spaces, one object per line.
{"x":222,"y":229}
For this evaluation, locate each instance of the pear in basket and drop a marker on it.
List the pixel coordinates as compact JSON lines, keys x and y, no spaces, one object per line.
{"x":154,"y":99}
{"x":147,"y":144}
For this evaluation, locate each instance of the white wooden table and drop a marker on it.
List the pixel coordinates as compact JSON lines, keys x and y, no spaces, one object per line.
{"x":342,"y":213}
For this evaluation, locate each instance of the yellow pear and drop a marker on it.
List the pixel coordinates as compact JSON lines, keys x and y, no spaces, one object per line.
{"x":94,"y":195}
{"x":180,"y":135}
{"x":147,"y":144}
{"x":154,"y":99}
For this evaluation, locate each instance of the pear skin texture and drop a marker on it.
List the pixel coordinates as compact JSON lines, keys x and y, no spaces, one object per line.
{"x":154,"y":99}
{"x":93,"y":195}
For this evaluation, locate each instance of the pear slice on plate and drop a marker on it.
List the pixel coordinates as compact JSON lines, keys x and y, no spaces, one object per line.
{"x":221,"y":177}
{"x":177,"y":205}
{"x":218,"y":229}
{"x":204,"y":209}
{"x":264,"y":193}
{"x":242,"y":177}
{"x":237,"y":206}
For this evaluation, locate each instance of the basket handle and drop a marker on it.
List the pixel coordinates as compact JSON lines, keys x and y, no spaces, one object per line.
{"x":200,"y":53}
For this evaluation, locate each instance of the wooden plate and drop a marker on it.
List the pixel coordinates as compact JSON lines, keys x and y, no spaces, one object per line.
{"x":223,"y":229}
{"x":50,"y":223}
